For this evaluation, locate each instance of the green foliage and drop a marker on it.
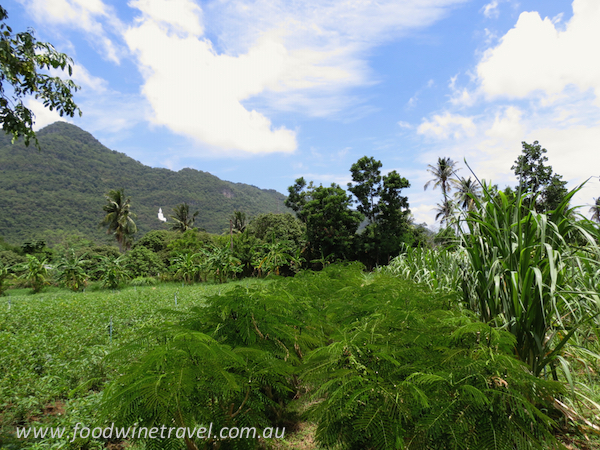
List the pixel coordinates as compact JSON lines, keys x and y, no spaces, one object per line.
{"x":527,"y":273}
{"x":440,"y":270}
{"x":367,"y":176}
{"x":71,"y":272}
{"x":443,"y":173}
{"x":4,"y":273}
{"x":142,"y":262}
{"x":186,"y":267}
{"x":330,"y":223}
{"x":222,"y":263}
{"x":35,"y":272}
{"x":533,"y":274}
{"x":385,"y":209}
{"x":446,"y":238}
{"x":182,"y":219}
{"x":595,"y":210}
{"x":535,"y":177}
{"x":157,"y":240}
{"x":112,"y":271}
{"x":53,"y":349}
{"x":282,"y":227}
{"x":191,"y":241}
{"x":238,"y":221}
{"x":278,"y":258}
{"x":23,"y":63}
{"x":12,"y":259}
{"x":387,"y":363}
{"x":118,"y":218}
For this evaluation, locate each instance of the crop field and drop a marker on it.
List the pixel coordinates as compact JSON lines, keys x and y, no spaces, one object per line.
{"x":53,"y":348}
{"x":339,"y":359}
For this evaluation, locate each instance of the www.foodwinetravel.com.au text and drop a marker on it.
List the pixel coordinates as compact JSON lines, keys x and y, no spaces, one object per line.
{"x":162,"y":432}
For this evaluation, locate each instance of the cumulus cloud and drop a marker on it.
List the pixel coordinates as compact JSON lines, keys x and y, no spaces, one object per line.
{"x":538,"y":56}
{"x":219,"y":73}
{"x":447,"y":125}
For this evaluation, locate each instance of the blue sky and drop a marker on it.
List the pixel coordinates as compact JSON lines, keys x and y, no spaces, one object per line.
{"x":265,"y":91}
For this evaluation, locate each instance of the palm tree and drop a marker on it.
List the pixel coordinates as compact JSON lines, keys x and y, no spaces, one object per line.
{"x":444,"y":211}
{"x":182,"y":219}
{"x":595,"y":210}
{"x":238,"y":220}
{"x":119,"y":218}
{"x":442,"y":174}
{"x":467,"y":191}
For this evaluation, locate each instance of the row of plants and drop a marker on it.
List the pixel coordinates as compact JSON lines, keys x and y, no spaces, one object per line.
{"x":272,"y":243}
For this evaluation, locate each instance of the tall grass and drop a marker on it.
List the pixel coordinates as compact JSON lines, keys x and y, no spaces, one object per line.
{"x":533,"y":274}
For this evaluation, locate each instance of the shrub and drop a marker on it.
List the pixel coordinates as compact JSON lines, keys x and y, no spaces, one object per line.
{"x":142,"y":262}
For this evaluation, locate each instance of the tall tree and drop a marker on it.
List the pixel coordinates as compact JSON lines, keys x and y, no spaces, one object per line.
{"x":379,"y":199}
{"x":22,"y":58}
{"x":296,"y":199}
{"x":394,"y":218}
{"x":595,"y":210}
{"x":538,"y":179}
{"x":367,"y":188}
{"x":330,"y":222}
{"x":466,"y":192}
{"x":118,"y":218}
{"x":238,"y":220}
{"x":442,"y":177}
{"x":182,"y":220}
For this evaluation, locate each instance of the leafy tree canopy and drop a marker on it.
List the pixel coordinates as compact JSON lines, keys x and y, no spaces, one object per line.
{"x":22,"y":58}
{"x":537,"y":178}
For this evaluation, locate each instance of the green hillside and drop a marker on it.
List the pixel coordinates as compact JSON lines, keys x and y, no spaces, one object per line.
{"x":60,"y":190}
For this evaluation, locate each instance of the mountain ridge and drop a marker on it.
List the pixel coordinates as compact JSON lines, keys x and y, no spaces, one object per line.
{"x":60,"y":189}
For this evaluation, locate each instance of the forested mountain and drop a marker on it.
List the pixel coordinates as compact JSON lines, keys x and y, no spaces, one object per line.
{"x":59,"y":190}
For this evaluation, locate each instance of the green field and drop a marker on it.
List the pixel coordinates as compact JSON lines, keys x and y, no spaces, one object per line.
{"x":53,"y":346}
{"x":340,"y":358}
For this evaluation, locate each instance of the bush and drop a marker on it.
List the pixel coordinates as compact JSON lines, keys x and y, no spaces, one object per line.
{"x":142,"y":262}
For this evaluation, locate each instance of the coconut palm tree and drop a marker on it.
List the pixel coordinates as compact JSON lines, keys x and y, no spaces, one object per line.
{"x":595,"y":210}
{"x":182,"y":219}
{"x":467,"y":191}
{"x":119,"y":219}
{"x":442,"y":176}
{"x":444,"y":211}
{"x":238,"y":220}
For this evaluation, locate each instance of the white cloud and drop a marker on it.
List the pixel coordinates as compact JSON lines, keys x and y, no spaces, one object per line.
{"x":447,"y":125}
{"x":404,"y":125}
{"x":195,"y":92}
{"x":491,"y":9}
{"x":85,"y":15}
{"x":507,"y":126}
{"x":535,"y":56}
{"x":262,"y":57}
{"x":179,"y":15}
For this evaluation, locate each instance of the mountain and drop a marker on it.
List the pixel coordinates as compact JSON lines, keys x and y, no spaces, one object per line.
{"x":59,"y":190}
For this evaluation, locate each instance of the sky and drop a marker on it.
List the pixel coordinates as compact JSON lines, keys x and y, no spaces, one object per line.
{"x":266,"y":91}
